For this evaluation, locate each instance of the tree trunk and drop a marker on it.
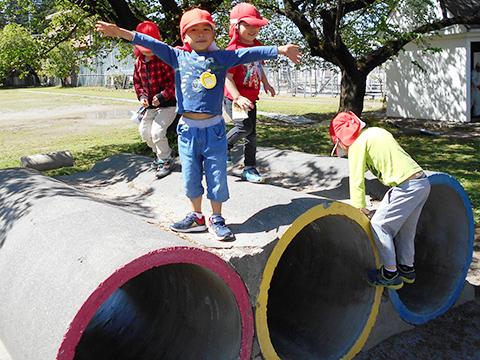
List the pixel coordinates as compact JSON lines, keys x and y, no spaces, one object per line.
{"x":352,"y":92}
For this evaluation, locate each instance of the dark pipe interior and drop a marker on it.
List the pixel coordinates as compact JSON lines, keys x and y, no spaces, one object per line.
{"x":319,"y":302}
{"x":176,"y":311}
{"x":441,"y":251}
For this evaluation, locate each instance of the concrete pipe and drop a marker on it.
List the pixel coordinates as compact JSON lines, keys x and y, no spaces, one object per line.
{"x":48,"y":161}
{"x":313,"y":301}
{"x":302,"y":257}
{"x":83,"y":279}
{"x":443,"y":253}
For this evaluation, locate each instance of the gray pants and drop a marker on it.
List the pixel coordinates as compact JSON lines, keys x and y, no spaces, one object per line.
{"x":394,"y":224}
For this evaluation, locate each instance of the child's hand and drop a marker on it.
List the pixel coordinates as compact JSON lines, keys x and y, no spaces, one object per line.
{"x":107,"y":29}
{"x":144,"y":102}
{"x":269,"y":89}
{"x":368,"y":212}
{"x":292,"y":52}
{"x":244,"y":103}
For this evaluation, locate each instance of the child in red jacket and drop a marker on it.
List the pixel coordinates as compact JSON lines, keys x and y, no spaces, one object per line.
{"x":154,"y":83}
{"x":242,"y":87}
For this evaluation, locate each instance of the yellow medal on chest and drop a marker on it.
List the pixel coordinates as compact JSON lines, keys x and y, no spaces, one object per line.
{"x":208,"y":79}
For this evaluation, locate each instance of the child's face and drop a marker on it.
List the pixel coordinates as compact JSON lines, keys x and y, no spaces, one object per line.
{"x":247,"y":33}
{"x":199,"y":37}
{"x":343,"y":147}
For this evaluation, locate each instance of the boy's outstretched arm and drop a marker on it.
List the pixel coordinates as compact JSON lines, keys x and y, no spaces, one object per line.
{"x":107,"y":29}
{"x":291,"y":51}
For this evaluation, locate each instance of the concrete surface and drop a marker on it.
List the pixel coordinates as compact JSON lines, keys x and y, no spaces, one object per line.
{"x":259,"y":215}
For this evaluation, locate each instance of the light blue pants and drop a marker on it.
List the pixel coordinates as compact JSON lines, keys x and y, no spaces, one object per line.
{"x":394,"y":224}
{"x":202,"y":144}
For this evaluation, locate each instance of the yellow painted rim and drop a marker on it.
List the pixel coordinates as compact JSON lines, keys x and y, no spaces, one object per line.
{"x":335,"y":208}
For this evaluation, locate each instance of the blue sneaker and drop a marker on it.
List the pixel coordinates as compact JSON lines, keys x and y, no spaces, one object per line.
{"x":252,"y":175}
{"x":217,"y":227}
{"x":377,"y":278}
{"x":191,"y":223}
{"x":407,"y":273}
{"x":229,"y":158}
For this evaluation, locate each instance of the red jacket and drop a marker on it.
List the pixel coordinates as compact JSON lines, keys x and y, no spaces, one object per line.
{"x":247,"y":77}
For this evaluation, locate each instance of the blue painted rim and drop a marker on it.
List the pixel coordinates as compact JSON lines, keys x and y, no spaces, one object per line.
{"x":407,"y":315}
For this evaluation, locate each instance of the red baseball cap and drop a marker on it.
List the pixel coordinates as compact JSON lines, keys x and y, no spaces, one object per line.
{"x":194,"y":17}
{"x":345,"y":127}
{"x":248,"y":13}
{"x":148,"y":28}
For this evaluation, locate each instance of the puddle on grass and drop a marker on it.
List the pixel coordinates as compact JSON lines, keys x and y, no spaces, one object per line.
{"x":108,"y":114}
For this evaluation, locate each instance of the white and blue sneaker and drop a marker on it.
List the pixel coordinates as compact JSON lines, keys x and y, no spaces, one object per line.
{"x":217,"y":227}
{"x":229,"y":158}
{"x":252,"y":175}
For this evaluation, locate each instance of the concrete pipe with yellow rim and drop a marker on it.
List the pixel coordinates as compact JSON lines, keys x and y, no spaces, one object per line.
{"x":314,"y":302}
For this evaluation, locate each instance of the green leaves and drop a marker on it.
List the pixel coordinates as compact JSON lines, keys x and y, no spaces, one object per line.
{"x":18,"y":51}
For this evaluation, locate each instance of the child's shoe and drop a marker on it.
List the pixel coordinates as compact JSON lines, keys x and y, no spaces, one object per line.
{"x":217,"y":227}
{"x":377,"y":278}
{"x":191,"y":223}
{"x":229,"y":158}
{"x":164,"y":168}
{"x":407,"y":273}
{"x":252,"y":175}
{"x":154,"y":164}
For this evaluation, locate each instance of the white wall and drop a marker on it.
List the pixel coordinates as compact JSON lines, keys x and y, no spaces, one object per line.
{"x":439,"y":93}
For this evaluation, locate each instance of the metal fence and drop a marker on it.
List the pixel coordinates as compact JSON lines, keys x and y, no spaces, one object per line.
{"x":286,"y":80}
{"x":319,"y":82}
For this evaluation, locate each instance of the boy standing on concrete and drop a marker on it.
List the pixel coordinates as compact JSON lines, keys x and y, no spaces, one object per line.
{"x":395,"y":221}
{"x":200,"y":73}
{"x":154,"y":83}
{"x":242,"y":87}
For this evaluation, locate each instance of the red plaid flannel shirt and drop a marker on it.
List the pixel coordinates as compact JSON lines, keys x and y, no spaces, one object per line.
{"x":154,"y":78}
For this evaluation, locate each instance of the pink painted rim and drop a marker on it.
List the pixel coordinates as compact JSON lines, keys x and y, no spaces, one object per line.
{"x":146,"y":262}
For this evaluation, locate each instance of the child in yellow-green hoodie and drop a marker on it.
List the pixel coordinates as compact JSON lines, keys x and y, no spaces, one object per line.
{"x":395,"y":221}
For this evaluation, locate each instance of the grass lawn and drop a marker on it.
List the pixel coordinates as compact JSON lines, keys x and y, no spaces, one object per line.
{"x":24,"y":130}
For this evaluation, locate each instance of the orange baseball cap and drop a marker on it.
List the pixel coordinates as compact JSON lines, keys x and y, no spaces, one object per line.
{"x":148,"y":28}
{"x":194,"y":17}
{"x":248,"y":13}
{"x":345,"y":127}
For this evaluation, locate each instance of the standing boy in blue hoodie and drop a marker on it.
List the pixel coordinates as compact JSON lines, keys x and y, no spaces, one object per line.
{"x":200,"y":71}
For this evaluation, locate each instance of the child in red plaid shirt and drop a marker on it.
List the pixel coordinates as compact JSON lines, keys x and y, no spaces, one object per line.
{"x":154,"y":83}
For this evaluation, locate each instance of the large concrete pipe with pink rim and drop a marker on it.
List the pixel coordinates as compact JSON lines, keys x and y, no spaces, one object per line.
{"x":443,"y":252}
{"x":83,"y":279}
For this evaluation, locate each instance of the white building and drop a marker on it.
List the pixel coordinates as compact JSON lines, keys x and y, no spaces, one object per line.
{"x":439,"y":87}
